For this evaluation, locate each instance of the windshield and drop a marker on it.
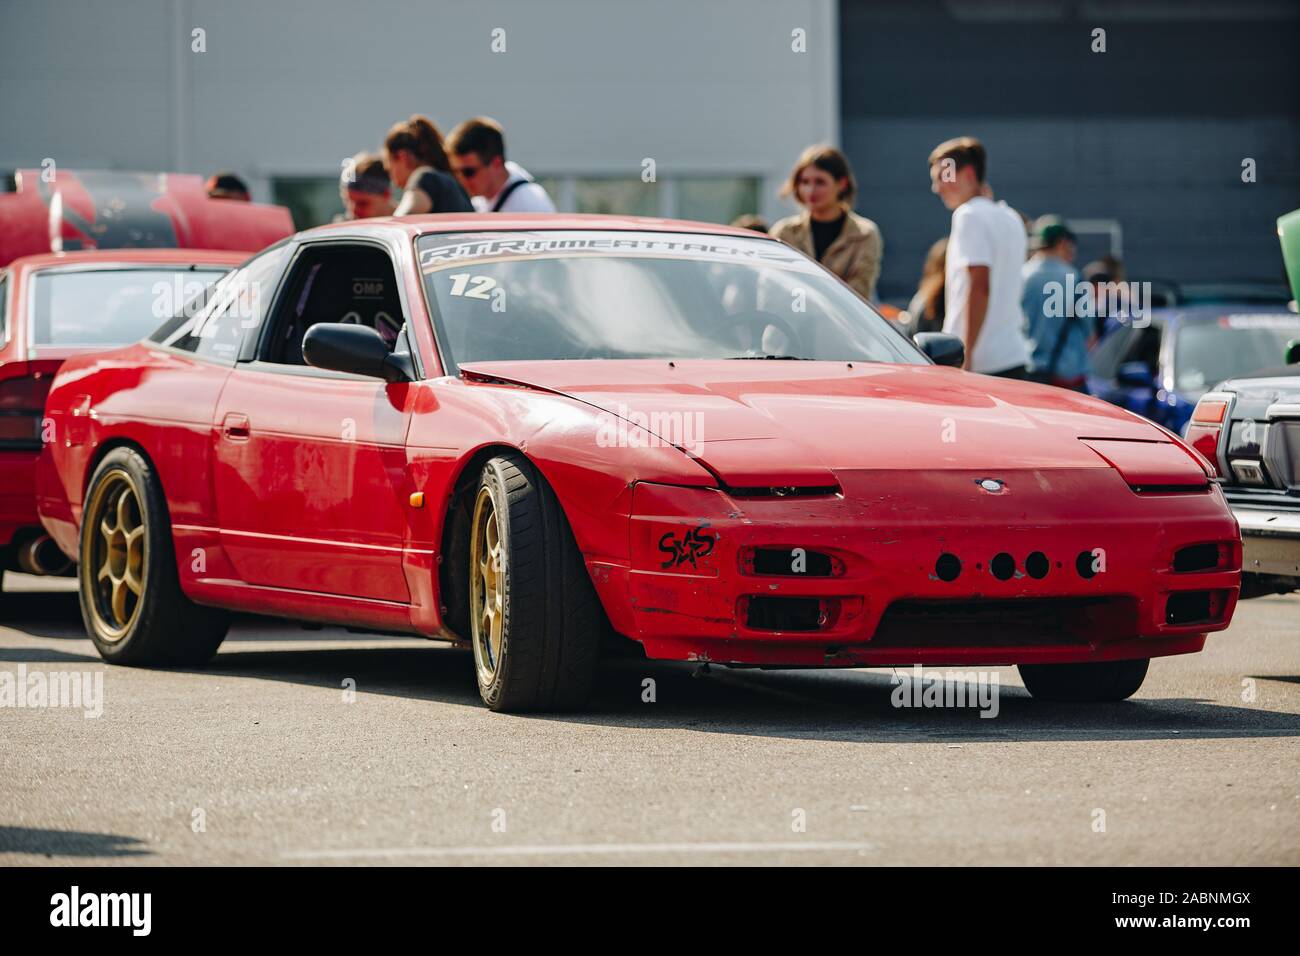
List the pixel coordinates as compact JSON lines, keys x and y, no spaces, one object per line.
{"x":1206,"y":353}
{"x":111,"y":306}
{"x":636,"y":295}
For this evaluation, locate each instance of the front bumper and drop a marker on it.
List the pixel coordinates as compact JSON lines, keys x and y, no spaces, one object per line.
{"x":693,"y":589}
{"x":1270,"y":541}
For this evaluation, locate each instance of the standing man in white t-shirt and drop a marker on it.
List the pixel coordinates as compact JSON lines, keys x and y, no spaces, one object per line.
{"x":986,"y":252}
{"x":477,"y":151}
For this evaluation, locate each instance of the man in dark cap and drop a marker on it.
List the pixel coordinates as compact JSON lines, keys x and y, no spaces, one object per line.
{"x":1051,"y":300}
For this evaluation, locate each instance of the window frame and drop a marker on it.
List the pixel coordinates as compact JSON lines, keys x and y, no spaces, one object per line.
{"x":253,"y":356}
{"x":184,"y":328}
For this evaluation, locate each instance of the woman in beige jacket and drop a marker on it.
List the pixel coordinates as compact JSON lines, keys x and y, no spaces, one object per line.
{"x":828,"y":230}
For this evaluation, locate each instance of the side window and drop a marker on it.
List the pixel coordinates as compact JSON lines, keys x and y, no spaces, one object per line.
{"x":335,"y":282}
{"x":233,"y":310}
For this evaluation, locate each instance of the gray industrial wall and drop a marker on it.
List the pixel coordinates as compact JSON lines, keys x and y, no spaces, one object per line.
{"x":1151,"y":133}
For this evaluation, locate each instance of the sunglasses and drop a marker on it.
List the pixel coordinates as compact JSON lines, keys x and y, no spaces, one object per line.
{"x":469,"y":172}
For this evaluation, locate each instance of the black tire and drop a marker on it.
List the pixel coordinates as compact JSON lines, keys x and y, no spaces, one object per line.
{"x":1103,"y":681}
{"x":163,"y":626}
{"x":551,"y":621}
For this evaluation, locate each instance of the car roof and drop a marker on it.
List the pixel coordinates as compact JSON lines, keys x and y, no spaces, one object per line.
{"x":1281,"y":373}
{"x":1213,"y":312}
{"x":108,"y":258}
{"x":514,"y":222}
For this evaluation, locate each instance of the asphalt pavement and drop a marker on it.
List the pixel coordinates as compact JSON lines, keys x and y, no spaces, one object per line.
{"x":271,"y":755}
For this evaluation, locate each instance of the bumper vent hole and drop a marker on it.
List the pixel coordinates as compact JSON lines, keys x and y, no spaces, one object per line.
{"x":1197,"y":557}
{"x":1189,"y":607}
{"x":784,"y":562}
{"x":784,"y":614}
{"x":1003,"y":566}
{"x":1037,"y":565}
{"x":1083,"y":564}
{"x":948,"y":567}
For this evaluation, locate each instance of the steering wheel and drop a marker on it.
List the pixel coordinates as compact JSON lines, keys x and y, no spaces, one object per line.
{"x":756,"y":322}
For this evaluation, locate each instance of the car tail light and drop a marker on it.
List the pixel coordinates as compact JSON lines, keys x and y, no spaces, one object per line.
{"x":22,"y":408}
{"x":1206,"y":427}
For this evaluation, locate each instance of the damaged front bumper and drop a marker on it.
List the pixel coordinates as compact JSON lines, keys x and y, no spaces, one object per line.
{"x":942,"y":567}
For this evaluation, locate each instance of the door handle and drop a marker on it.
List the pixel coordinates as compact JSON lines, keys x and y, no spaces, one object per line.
{"x":234,"y":426}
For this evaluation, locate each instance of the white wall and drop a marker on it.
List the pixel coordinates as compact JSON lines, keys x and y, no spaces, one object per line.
{"x":294,"y":86}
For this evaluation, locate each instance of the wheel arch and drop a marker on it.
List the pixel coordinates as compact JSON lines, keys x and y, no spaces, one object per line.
{"x":453,"y":541}
{"x":105,"y":448}
{"x":101,"y":453}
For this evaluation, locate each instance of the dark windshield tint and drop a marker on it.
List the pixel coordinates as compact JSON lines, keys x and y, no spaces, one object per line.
{"x":634,"y":295}
{"x":112,"y":306}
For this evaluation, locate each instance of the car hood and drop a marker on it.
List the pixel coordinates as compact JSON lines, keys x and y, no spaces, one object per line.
{"x":792,"y":422}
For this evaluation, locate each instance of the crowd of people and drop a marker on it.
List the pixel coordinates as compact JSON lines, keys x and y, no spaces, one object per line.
{"x":1000,"y":282}
{"x":996,"y":280}
{"x":465,"y":171}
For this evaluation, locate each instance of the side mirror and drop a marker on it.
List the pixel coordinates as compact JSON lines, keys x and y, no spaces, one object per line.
{"x":359,"y":349}
{"x":1136,"y":375}
{"x":1293,"y":352}
{"x":943,"y":349}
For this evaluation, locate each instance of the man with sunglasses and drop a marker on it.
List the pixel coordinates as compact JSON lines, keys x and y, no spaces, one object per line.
{"x":477,"y":150}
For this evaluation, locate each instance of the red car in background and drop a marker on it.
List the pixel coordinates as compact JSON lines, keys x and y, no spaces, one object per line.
{"x":82,"y":210}
{"x":54,"y":307}
{"x":533,"y":434}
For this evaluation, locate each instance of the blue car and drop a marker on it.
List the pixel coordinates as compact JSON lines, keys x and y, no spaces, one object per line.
{"x":1160,"y":371}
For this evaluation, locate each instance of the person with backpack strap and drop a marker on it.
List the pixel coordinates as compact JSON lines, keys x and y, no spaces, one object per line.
{"x":1060,"y":336}
{"x":477,"y":148}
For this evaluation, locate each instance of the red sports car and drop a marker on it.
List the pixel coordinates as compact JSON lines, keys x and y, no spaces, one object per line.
{"x":539,"y":434}
{"x":106,"y":209}
{"x":53,"y":307}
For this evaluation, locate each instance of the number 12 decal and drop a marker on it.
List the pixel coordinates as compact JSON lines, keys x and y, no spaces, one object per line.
{"x":482,"y":285}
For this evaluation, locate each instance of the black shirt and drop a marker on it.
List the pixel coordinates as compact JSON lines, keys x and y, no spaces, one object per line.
{"x":444,"y":192}
{"x":825,"y":233}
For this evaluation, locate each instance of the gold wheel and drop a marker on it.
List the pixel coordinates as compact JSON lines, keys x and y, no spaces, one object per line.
{"x":487,"y":582}
{"x":117,"y":554}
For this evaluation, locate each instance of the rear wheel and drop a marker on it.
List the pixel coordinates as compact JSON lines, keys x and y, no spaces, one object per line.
{"x":131,"y":599}
{"x":1103,"y":681}
{"x":535,"y":621}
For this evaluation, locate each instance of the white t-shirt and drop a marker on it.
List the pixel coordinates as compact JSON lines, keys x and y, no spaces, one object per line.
{"x":985,"y":233}
{"x":530,"y":197}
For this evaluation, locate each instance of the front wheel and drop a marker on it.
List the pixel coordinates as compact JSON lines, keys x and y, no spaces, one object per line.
{"x":131,"y":599}
{"x":535,"y":620}
{"x":1096,"y":682}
